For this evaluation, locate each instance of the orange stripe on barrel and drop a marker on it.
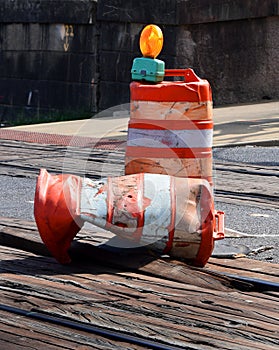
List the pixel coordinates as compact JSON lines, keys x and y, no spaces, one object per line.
{"x":149,"y":152}
{"x":155,"y":124}
{"x":171,"y":91}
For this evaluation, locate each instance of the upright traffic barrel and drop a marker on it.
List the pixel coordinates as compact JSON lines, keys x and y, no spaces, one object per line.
{"x":171,"y":128}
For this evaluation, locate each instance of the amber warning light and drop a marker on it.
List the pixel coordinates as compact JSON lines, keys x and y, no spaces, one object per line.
{"x":149,"y":68}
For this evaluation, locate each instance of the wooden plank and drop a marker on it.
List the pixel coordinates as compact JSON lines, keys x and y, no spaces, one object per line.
{"x":32,"y":281}
{"x":246,"y":267}
{"x":174,"y":313}
{"x":22,"y":235}
{"x":34,"y":334}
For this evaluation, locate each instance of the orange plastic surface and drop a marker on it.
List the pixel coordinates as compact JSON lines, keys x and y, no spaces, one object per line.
{"x":55,"y":211}
{"x":207,"y":218}
{"x":192,"y":89}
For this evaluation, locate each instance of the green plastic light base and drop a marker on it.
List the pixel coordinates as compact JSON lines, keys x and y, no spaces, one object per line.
{"x":148,"y":69}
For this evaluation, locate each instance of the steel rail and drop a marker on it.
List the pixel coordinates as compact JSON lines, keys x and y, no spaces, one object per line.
{"x":248,"y":283}
{"x":88,"y":328}
{"x":259,"y":285}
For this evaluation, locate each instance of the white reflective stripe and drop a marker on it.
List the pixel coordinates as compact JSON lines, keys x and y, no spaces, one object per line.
{"x":170,"y":138}
{"x":93,"y":202}
{"x":157,"y":216}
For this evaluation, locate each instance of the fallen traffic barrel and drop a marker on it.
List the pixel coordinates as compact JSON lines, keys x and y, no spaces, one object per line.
{"x":169,"y":214}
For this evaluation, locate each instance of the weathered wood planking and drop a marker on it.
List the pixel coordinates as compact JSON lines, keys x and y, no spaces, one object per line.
{"x":160,"y":300}
{"x":23,"y":235}
{"x":150,"y":307}
{"x":244,"y":267}
{"x":234,"y":183}
{"x":34,"y":334}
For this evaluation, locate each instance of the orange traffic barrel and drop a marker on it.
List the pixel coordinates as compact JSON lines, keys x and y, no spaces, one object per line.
{"x":169,"y":214}
{"x":171,"y":128}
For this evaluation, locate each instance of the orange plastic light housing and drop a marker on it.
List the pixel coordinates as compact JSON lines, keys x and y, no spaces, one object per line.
{"x":151,"y":41}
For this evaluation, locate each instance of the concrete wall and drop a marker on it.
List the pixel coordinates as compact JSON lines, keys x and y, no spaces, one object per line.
{"x":240,"y":58}
{"x":49,"y":58}
{"x":76,"y":55}
{"x":232,"y":43}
